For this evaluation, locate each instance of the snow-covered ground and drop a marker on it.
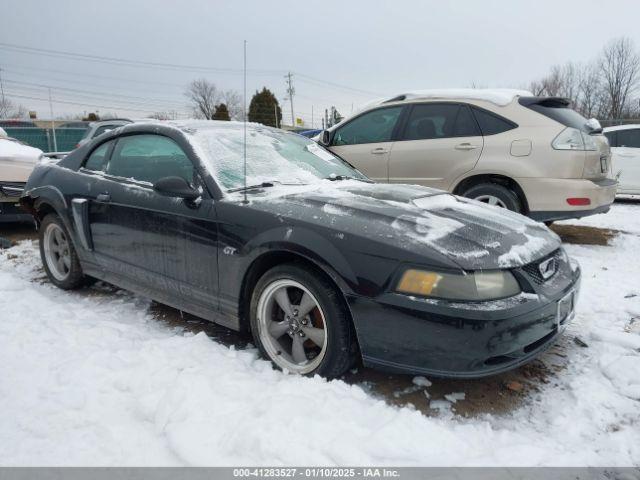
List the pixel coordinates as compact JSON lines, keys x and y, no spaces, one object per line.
{"x":92,"y":378}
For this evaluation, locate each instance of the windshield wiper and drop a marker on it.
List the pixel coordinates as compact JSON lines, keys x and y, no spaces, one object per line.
{"x":346,"y":177}
{"x":270,"y":183}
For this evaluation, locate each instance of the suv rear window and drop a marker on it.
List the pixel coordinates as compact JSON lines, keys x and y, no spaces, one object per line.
{"x":556,"y":109}
{"x":490,"y":123}
{"x":439,"y":120}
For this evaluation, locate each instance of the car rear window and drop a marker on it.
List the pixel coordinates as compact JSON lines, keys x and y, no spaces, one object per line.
{"x":557,"y":109}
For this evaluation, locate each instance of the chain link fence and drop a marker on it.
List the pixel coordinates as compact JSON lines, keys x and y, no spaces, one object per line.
{"x":66,"y":139}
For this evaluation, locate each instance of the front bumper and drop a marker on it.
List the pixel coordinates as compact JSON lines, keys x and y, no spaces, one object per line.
{"x":402,"y":334}
{"x":547,"y":197}
{"x":10,"y":210}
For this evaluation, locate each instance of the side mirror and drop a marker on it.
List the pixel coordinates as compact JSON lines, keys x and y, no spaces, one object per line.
{"x":175,"y":187}
{"x":594,"y":125}
{"x":325,"y":138}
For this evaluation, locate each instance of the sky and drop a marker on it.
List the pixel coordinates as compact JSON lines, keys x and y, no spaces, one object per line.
{"x":342,"y":53}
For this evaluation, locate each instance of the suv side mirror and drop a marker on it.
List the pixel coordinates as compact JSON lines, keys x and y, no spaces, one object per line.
{"x":594,"y":125}
{"x":176,"y":187}
{"x":325,"y":138}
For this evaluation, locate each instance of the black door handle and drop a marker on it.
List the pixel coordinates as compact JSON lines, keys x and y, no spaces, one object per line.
{"x":103,"y":197}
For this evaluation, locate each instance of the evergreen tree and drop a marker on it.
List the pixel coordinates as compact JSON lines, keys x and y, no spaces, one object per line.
{"x":221,"y":113}
{"x":264,"y":108}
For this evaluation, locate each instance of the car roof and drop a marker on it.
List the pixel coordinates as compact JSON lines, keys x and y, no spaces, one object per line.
{"x":621,"y":127}
{"x":498,"y":96}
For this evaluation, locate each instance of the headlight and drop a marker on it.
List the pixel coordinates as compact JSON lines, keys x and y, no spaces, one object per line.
{"x":573,"y":139}
{"x":472,"y":286}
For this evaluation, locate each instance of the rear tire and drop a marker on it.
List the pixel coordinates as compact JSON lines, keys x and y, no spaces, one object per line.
{"x":58,"y":254}
{"x":300,"y":323}
{"x":494,"y":194}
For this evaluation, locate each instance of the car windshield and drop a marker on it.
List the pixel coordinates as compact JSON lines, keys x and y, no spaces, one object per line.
{"x":272,"y":156}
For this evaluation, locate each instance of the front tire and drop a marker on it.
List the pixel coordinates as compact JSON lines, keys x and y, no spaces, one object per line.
{"x":496,"y":195}
{"x":300,"y":323}
{"x":58,"y":254}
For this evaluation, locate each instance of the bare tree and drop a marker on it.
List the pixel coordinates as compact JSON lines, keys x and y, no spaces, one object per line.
{"x":620,"y":68}
{"x":203,"y":96}
{"x":9,"y":109}
{"x":591,"y":99}
{"x":167,"y":115}
{"x":233,"y":101}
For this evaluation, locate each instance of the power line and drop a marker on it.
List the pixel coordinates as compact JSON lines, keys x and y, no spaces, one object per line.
{"x":173,"y":66}
{"x":98,"y":94}
{"x":127,"y":62}
{"x":312,"y":80}
{"x":79,"y":103}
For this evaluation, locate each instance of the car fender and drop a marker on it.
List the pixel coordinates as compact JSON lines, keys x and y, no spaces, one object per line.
{"x":308,"y":244}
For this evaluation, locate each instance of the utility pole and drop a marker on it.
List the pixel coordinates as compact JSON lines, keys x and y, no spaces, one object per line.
{"x":275,"y":113}
{"x":1,"y":87}
{"x":53,"y":125}
{"x":291,"y":91}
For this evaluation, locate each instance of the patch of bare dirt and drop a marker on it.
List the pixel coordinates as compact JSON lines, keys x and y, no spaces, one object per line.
{"x":584,"y":235}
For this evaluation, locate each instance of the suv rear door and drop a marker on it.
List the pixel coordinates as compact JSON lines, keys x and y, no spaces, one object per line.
{"x":438,"y":143}
{"x":367,"y":140}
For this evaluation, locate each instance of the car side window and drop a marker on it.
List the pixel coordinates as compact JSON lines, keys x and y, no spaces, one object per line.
{"x":492,"y":124}
{"x":371,"y":127}
{"x":97,"y":158}
{"x":612,"y":137}
{"x":433,"y":120}
{"x":148,"y":158}
{"x":629,"y":138}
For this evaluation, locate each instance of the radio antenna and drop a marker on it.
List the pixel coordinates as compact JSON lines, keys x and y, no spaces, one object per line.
{"x":244,"y":99}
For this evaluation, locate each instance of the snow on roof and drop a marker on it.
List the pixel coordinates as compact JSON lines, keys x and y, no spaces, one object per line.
{"x":497,"y":96}
{"x":621,"y":127}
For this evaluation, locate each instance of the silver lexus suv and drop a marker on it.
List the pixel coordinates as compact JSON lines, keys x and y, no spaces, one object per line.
{"x":533,"y":155}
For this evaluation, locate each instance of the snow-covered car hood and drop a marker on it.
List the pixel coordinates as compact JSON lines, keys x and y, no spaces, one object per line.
{"x":471,"y":234}
{"x":17,"y":160}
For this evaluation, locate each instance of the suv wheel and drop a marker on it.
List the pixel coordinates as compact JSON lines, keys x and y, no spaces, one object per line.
{"x":494,"y":194}
{"x":58,"y":254}
{"x":299,"y":322}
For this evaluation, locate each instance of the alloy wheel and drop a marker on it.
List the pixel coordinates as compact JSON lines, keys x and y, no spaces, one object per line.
{"x":57,"y":251}
{"x":491,"y":200}
{"x":292,"y":326}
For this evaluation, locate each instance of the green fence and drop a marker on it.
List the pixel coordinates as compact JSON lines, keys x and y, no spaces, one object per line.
{"x":42,"y":138}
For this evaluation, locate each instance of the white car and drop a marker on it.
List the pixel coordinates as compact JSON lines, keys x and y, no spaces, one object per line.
{"x":17,"y":160}
{"x":625,"y":156}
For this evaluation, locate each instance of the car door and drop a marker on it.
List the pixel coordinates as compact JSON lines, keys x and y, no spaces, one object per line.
{"x":439,"y":142}
{"x":367,"y":140}
{"x":164,"y":244}
{"x":626,"y":159}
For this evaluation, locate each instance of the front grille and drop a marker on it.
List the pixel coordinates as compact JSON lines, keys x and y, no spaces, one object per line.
{"x":533,"y":269}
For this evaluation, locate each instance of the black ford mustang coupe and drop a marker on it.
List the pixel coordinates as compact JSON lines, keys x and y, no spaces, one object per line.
{"x":319,"y":263}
